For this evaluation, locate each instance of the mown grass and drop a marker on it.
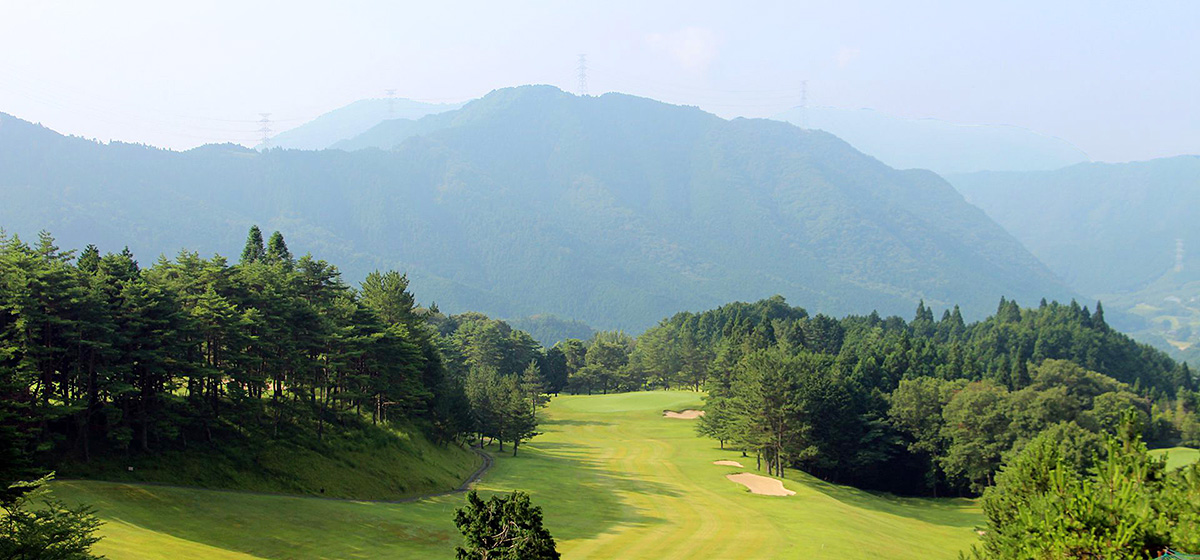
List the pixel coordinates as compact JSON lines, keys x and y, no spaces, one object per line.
{"x":1178,"y":456}
{"x":615,"y":479}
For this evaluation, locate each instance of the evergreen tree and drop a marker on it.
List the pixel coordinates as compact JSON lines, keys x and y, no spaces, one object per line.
{"x":503,"y":528}
{"x":46,"y":530}
{"x":277,"y":251}
{"x":254,"y":251}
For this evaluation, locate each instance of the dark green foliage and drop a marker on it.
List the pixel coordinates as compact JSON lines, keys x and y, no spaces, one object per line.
{"x":1126,"y":506}
{"x":277,"y":251}
{"x":501,"y":372}
{"x":254,"y":251}
{"x":503,"y":528}
{"x":35,"y":527}
{"x":928,"y":406}
{"x":102,"y":357}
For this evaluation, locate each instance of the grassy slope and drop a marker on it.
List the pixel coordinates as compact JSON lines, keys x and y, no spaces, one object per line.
{"x":1178,"y":456}
{"x":358,"y":464}
{"x":616,"y":480}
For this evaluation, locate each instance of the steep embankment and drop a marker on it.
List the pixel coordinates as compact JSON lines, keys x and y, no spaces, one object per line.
{"x":369,"y":464}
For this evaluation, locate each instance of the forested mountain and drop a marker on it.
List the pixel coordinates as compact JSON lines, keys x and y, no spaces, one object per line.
{"x":940,"y":146}
{"x":614,"y":210}
{"x":1126,"y":232}
{"x":550,"y":330}
{"x":352,"y":120}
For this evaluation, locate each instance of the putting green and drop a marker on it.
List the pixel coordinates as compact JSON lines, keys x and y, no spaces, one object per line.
{"x":615,"y":479}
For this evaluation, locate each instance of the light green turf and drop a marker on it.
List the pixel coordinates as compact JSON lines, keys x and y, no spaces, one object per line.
{"x":615,"y":478}
{"x":1178,"y":456}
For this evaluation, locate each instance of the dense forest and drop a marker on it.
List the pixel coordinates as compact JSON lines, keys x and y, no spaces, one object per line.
{"x":923,"y":406}
{"x":101,"y":357}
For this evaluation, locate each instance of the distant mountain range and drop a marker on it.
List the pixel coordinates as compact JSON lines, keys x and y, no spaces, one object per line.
{"x":352,"y":120}
{"x":937,"y":145}
{"x":614,"y":210}
{"x":1127,"y":232}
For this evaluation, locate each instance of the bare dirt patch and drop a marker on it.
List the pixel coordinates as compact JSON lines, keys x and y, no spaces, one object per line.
{"x":760,"y":484}
{"x":683,"y":414}
{"x":729,"y":464}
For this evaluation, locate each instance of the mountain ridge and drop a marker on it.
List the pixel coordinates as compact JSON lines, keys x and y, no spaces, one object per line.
{"x":614,"y":210}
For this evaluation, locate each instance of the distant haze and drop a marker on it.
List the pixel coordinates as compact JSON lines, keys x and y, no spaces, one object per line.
{"x":1116,"y":80}
{"x":938,"y":145}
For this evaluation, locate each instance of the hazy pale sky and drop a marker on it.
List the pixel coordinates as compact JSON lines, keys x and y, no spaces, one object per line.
{"x":1118,"y":79}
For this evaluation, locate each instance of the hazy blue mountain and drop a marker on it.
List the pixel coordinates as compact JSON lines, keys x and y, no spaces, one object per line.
{"x":1103,"y":227}
{"x":1127,"y":232}
{"x":940,"y":146}
{"x":550,"y":330}
{"x":614,"y":210}
{"x":352,"y":120}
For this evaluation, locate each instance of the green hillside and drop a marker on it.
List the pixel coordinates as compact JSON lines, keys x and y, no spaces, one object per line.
{"x":613,"y":210}
{"x":351,"y":464}
{"x":1122,"y":232}
{"x":615,"y":478}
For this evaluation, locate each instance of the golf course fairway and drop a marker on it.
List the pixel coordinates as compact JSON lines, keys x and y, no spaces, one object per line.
{"x":614,"y":478}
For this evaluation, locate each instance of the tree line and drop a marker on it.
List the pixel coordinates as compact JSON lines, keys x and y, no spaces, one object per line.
{"x":102,"y":356}
{"x":926,"y":406}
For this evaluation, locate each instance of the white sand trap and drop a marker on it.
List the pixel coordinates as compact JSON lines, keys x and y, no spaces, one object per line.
{"x":729,"y":464}
{"x":760,"y":484}
{"x":684,"y":415}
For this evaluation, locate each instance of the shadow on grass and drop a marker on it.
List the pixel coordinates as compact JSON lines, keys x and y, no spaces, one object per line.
{"x":564,"y":422}
{"x":579,"y":494}
{"x":950,"y":512}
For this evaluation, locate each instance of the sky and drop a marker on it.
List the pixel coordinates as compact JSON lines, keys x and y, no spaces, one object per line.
{"x":1119,"y":80}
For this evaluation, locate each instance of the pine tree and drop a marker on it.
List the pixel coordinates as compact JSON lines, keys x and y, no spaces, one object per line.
{"x":254,"y":252}
{"x":277,"y":251}
{"x":89,"y":260}
{"x":503,"y":528}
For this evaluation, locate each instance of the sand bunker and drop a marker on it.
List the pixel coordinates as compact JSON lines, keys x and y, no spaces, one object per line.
{"x":760,"y":484}
{"x":729,"y":464}
{"x":684,"y":415}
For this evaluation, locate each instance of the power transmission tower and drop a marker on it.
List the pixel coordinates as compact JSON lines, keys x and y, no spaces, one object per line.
{"x":803,"y":103}
{"x":264,"y":128}
{"x":1179,"y":255}
{"x":391,"y":97}
{"x":583,"y":91}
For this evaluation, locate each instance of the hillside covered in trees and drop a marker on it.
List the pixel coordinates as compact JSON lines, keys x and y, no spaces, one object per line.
{"x":1125,"y":232}
{"x":612,"y":210}
{"x":204,"y":372}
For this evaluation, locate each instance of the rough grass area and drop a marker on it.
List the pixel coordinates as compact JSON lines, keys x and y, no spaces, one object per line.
{"x":369,"y":462}
{"x":615,"y":478}
{"x":1178,"y":456}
